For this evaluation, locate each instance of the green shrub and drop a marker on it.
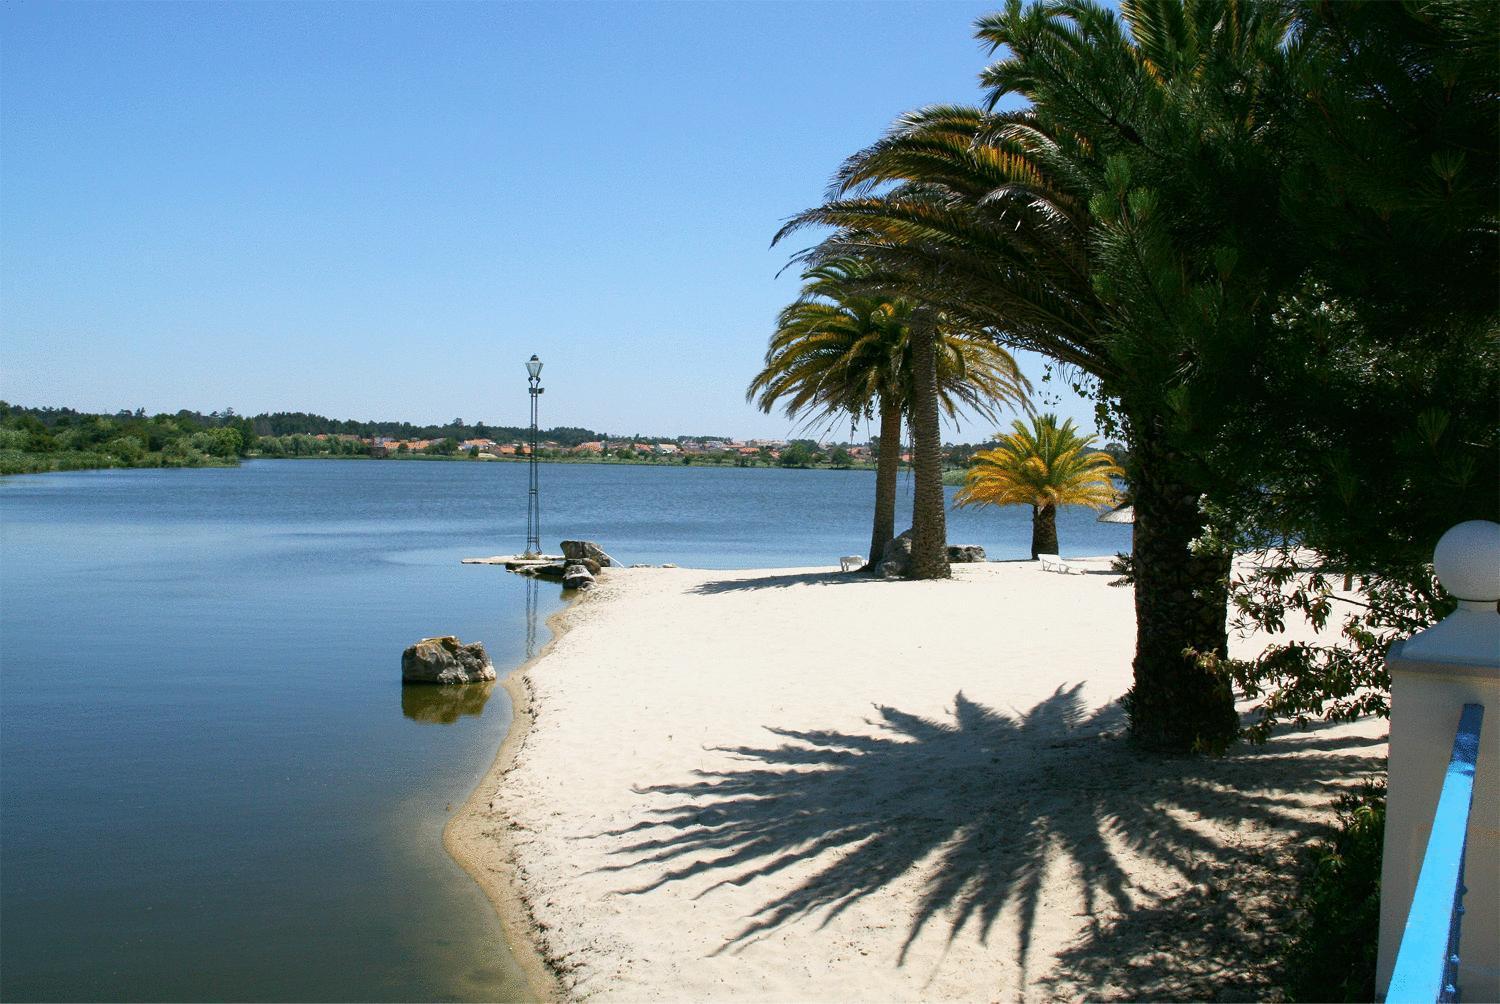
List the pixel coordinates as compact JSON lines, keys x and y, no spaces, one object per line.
{"x":80,"y":460}
{"x":178,"y":453}
{"x":16,"y":462}
{"x":127,"y":448}
{"x":1330,"y":952}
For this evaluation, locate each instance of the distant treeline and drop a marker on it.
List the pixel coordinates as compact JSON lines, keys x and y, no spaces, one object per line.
{"x":301,"y":423}
{"x":294,"y":423}
{"x":61,"y":439}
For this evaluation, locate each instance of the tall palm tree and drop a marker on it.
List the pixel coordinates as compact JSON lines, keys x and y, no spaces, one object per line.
{"x":839,"y":352}
{"x":1044,"y":466}
{"x":1118,"y":225}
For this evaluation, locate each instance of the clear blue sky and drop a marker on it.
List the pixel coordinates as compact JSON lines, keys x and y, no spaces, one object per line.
{"x":379,"y":211}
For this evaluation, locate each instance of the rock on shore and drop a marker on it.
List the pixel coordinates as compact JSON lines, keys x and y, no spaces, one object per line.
{"x":896,"y":560}
{"x":577,"y":575}
{"x":578,"y":550}
{"x":445,"y":660}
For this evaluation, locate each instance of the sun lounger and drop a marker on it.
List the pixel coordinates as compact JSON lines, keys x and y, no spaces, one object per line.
{"x":1054,"y":563}
{"x":851,"y":562}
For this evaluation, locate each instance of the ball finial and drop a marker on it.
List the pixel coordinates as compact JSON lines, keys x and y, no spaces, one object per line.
{"x":1467,"y":561}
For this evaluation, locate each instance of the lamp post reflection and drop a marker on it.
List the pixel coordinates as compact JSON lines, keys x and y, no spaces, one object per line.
{"x":532,"y":585}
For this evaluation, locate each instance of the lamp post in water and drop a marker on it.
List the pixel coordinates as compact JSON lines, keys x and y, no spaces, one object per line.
{"x":533,"y":498}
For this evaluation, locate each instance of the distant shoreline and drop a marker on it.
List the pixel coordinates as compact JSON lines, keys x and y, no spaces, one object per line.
{"x":596,"y":461}
{"x":431,"y":458}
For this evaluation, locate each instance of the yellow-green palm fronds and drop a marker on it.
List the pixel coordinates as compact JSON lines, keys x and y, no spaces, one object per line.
{"x":1046,"y":464}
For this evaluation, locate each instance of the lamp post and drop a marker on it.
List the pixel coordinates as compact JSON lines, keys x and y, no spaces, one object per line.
{"x":533,"y":498}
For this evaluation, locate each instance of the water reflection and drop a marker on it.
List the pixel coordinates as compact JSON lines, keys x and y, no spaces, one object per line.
{"x":532,"y":585}
{"x":437,"y":704}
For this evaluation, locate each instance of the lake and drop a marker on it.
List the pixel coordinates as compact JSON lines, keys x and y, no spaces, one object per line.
{"x":212,"y":783}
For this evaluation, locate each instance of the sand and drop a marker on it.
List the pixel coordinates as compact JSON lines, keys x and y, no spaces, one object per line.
{"x":803,"y":785}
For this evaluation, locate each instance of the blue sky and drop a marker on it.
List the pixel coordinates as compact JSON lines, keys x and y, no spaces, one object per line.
{"x":379,"y":211}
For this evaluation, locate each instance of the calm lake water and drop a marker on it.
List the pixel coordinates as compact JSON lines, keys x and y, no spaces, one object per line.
{"x":212,"y":783}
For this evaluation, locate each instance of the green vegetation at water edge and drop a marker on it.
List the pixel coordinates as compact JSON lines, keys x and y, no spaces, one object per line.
{"x":37,"y":440}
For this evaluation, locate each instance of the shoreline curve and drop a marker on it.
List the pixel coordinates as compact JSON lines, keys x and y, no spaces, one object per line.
{"x":473,"y":838}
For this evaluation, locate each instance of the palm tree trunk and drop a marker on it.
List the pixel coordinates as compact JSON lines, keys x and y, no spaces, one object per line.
{"x":1180,"y":702}
{"x":929,"y":544}
{"x":1043,"y":530}
{"x":887,"y":471}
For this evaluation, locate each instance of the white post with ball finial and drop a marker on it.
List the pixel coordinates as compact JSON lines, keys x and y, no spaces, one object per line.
{"x":1434,"y":674}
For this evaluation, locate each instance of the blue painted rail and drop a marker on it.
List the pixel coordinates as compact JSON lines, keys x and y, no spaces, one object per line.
{"x":1427,"y":961}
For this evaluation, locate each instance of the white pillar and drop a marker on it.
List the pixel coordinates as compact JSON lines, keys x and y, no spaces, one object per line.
{"x":1433,"y":675}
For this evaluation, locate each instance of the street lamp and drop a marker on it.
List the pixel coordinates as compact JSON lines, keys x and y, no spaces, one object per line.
{"x":533,"y":498}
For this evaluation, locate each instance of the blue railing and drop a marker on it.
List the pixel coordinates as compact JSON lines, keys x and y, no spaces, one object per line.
{"x":1427,"y":961}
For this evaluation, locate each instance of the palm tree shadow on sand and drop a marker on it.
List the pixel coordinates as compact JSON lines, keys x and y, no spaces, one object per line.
{"x":782,"y":581}
{"x":983,"y":802}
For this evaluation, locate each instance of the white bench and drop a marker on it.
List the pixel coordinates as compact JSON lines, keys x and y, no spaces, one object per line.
{"x":1054,"y":563}
{"x":851,"y":563}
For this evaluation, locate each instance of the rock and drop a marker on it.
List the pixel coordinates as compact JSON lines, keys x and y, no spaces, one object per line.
{"x":576,"y":549}
{"x":589,"y":563}
{"x":551,"y":571}
{"x":669,"y":565}
{"x":445,"y":660}
{"x":895,"y":560}
{"x":962,"y":553}
{"x":576,"y":576}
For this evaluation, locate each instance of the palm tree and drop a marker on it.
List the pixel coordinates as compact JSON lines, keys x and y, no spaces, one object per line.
{"x":1118,"y":225}
{"x":838,"y":352}
{"x":1045,"y":466}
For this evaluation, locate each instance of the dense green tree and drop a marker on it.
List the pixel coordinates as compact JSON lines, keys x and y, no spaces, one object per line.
{"x":797,"y":455}
{"x":1370,"y":427}
{"x":223,"y":443}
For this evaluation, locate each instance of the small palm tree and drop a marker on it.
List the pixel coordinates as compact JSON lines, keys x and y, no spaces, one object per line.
{"x":1044,"y":467}
{"x":840,"y":351}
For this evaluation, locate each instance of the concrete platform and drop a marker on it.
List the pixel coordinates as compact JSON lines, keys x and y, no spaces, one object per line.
{"x":514,"y":561}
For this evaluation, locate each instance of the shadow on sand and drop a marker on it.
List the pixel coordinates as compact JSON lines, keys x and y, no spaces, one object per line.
{"x":716,"y":586}
{"x":981,"y":802}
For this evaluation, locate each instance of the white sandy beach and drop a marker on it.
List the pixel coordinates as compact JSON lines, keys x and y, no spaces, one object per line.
{"x":800,"y":785}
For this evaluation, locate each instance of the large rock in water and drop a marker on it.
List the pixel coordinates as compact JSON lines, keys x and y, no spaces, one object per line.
{"x":964,"y":553}
{"x":445,"y":660}
{"x":576,"y":550}
{"x":895,"y":560}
